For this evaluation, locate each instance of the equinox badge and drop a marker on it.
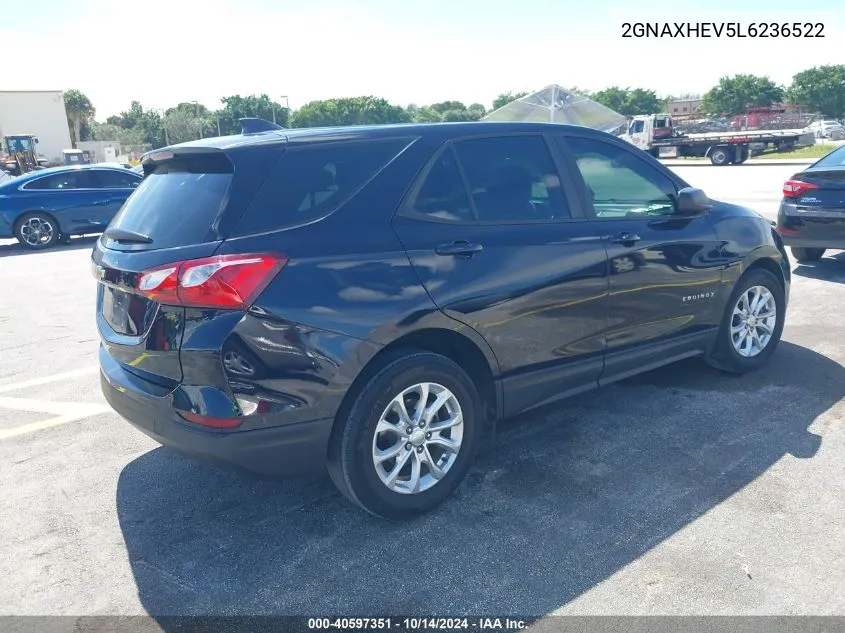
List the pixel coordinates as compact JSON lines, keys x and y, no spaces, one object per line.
{"x":699,"y":297}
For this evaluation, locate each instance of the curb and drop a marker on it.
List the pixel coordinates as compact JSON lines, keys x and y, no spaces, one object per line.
{"x":766,"y":161}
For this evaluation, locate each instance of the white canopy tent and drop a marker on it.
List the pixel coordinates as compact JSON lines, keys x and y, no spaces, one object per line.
{"x":554,"y":104}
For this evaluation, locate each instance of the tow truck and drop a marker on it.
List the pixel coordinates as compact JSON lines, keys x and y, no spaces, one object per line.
{"x":658,"y":135}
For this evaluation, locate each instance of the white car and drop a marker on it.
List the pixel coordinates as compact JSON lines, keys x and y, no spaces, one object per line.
{"x":826,"y":129}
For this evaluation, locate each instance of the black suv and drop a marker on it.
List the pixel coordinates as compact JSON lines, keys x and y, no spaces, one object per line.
{"x":374,"y":298}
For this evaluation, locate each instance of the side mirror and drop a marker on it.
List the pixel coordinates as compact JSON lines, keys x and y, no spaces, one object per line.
{"x":692,"y":202}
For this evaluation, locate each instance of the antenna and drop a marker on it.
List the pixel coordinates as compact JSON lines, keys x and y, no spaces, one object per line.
{"x":254,"y":125}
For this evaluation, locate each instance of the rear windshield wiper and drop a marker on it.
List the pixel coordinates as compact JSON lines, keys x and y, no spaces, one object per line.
{"x":122,"y":235}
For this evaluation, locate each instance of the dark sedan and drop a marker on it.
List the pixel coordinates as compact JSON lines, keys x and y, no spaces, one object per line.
{"x":45,"y":207}
{"x":811,"y":218}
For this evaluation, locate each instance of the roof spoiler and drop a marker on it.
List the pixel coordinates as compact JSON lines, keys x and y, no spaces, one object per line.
{"x":254,"y":125}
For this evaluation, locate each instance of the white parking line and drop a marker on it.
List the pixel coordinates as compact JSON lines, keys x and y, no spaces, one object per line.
{"x":48,"y":379}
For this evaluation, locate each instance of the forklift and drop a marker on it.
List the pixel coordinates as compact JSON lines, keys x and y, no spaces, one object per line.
{"x":19,"y":155}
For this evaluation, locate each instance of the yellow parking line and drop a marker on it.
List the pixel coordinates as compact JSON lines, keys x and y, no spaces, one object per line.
{"x":37,"y":426}
{"x":64,"y":412}
{"x":48,"y":379}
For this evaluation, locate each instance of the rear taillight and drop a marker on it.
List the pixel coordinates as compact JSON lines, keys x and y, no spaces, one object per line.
{"x":797,"y":188}
{"x":229,"y":282}
{"x":215,"y":423}
{"x":782,"y":230}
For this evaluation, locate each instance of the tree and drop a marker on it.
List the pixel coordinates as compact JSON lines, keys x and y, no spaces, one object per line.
{"x":460,"y":115}
{"x":478,"y":109}
{"x":180,"y":126}
{"x":820,"y":89}
{"x":614,"y":98}
{"x":426,"y":115}
{"x":506,"y":97}
{"x":111,"y":132}
{"x":349,"y":111}
{"x":734,"y":95}
{"x":79,"y":112}
{"x":629,"y":102}
{"x":445,"y":106}
{"x":237,"y":107}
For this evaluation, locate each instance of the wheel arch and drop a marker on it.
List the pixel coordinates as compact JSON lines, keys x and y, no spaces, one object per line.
{"x":768,"y":263}
{"x":458,"y":347}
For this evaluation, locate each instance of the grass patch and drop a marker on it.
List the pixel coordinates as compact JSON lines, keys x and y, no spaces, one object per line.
{"x":814,"y":151}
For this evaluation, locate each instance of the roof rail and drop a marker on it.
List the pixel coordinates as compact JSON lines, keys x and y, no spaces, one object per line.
{"x":254,"y":125}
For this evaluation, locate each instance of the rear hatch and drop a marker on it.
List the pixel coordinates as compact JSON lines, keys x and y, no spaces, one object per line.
{"x":817,"y":200}
{"x":181,"y":212}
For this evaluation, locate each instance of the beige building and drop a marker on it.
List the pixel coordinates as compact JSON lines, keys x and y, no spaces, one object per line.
{"x":684,"y":108}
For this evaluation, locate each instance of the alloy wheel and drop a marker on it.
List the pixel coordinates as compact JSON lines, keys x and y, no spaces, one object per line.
{"x":418,"y":438}
{"x":753,"y":321}
{"x":36,"y":231}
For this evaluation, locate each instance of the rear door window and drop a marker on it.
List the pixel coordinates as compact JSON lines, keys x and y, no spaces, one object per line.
{"x":112,"y":179}
{"x":178,"y":203}
{"x":311,"y":182}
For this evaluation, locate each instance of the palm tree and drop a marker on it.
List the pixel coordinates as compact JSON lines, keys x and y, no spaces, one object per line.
{"x":79,"y":111}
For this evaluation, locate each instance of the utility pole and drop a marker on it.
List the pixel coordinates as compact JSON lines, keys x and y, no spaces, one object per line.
{"x":197,"y":114}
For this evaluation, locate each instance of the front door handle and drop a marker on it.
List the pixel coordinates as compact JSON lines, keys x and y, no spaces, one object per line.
{"x":459,"y":248}
{"x":625,"y":238}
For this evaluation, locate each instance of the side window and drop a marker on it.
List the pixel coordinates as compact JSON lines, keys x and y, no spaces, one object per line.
{"x":442,"y":194}
{"x":512,"y":179}
{"x":65,"y":180}
{"x":111,"y":179}
{"x":310,"y":182}
{"x":621,"y":185}
{"x":637,"y":126}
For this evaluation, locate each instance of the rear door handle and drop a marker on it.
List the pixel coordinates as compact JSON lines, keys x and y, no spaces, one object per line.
{"x":625,"y":238}
{"x":459,"y":248}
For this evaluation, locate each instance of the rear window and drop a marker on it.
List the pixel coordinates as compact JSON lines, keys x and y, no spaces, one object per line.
{"x":309,"y":183}
{"x":179,"y":201}
{"x":835,"y":159}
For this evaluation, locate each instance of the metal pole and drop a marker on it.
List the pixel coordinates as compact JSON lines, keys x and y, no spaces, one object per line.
{"x":554,"y":103}
{"x":218,"y":125}
{"x":274,"y":112}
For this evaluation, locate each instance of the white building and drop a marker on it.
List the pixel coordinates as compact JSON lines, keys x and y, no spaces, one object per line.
{"x":40,"y":113}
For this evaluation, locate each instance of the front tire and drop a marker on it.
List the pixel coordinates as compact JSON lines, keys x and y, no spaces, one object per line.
{"x":752,"y":324}
{"x":410,"y":436}
{"x":807,"y":254}
{"x":37,"y":231}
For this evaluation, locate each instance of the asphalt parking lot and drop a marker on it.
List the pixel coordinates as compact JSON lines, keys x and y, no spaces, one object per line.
{"x":683,"y":491}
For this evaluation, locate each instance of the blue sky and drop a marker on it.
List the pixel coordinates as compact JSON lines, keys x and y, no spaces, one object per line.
{"x":162,"y":52}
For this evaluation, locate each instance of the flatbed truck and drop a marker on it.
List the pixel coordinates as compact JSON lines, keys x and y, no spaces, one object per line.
{"x":656,"y":133}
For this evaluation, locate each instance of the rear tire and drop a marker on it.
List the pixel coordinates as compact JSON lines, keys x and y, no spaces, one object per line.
{"x":720,"y":156}
{"x":374,"y":429}
{"x":807,"y":254}
{"x":747,"y":336}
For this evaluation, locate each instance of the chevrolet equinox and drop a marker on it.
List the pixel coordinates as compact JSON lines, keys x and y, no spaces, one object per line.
{"x":373,"y":299}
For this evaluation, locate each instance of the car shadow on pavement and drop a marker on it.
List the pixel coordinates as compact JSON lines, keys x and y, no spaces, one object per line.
{"x":12,"y":248}
{"x":566,"y":497}
{"x":829,"y":268}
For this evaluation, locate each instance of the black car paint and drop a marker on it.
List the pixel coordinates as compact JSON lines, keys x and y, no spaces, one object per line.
{"x":816,"y":219}
{"x":538,"y":306}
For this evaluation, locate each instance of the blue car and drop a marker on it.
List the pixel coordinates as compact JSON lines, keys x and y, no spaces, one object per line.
{"x":46,"y":207}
